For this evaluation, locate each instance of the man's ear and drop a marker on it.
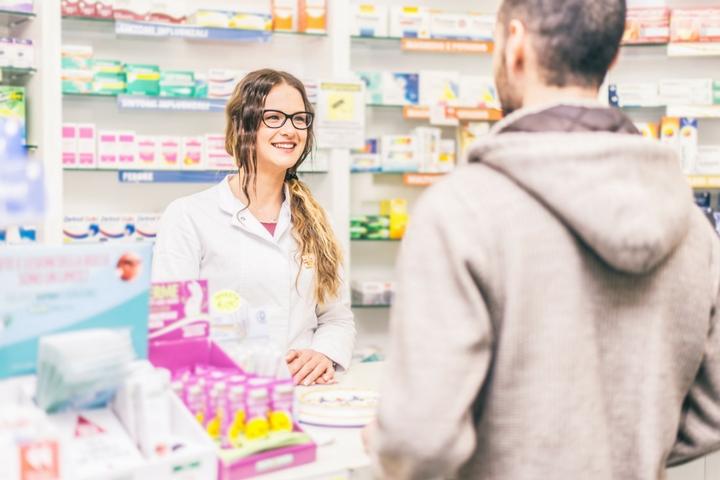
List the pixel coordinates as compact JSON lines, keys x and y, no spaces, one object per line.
{"x":516,"y":42}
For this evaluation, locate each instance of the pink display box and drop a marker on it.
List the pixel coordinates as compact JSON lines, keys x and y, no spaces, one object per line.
{"x":177,"y":354}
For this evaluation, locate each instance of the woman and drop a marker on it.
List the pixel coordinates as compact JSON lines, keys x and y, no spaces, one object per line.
{"x":260,"y":233}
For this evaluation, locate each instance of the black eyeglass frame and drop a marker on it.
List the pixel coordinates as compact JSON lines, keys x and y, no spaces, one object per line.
{"x":310,"y":115}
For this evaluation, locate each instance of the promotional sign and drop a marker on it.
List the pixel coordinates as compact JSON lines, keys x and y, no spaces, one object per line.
{"x":58,"y":289}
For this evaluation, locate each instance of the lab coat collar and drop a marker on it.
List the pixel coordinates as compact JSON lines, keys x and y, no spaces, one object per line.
{"x":232,"y":205}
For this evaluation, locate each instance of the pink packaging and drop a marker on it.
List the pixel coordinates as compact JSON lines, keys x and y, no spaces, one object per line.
{"x":86,"y":146}
{"x":104,"y":9}
{"x":147,"y":152}
{"x":70,"y":8}
{"x":179,"y":310}
{"x":107,"y":149}
{"x":192,"y":153}
{"x":87,"y":8}
{"x":216,"y":158}
{"x":170,"y":153}
{"x":69,"y":145}
{"x":126,"y":149}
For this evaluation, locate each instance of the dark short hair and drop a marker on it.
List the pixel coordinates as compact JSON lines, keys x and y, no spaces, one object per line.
{"x":576,"y":40}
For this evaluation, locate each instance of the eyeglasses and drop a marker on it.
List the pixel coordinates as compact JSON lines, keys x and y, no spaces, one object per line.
{"x":276,"y":119}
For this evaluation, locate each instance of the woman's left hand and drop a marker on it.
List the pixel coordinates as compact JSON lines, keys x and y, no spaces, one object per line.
{"x":308,"y":367}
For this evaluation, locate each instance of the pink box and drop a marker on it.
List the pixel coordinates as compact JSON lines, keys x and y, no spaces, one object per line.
{"x":126,"y":149}
{"x":177,"y":354}
{"x":179,"y":310}
{"x":69,"y":145}
{"x":86,"y":146}
{"x":107,"y":149}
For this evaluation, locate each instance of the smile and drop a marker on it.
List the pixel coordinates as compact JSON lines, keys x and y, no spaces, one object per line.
{"x":285,"y":146}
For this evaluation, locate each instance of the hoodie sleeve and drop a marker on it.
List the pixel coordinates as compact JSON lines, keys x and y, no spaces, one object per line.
{"x":699,"y":430}
{"x":439,"y":353}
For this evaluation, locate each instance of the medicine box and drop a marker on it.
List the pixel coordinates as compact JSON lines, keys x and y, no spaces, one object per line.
{"x":86,"y":145}
{"x":81,"y":229}
{"x":285,"y":15}
{"x":192,"y":153}
{"x":143,"y":79}
{"x":647,"y":25}
{"x":398,"y":153}
{"x":369,"y":20}
{"x":148,"y":152}
{"x":409,"y":22}
{"x":108,"y":149}
{"x":312,"y":16}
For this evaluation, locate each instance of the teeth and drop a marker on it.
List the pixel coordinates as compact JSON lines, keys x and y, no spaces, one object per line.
{"x":284,"y":145}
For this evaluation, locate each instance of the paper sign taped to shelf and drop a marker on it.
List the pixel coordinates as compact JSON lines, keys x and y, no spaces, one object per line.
{"x":341,"y":115}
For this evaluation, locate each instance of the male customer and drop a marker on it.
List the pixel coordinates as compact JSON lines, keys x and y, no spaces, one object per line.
{"x":556,"y":317}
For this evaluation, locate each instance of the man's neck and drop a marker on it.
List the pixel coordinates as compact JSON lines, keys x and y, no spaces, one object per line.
{"x":545,"y":95}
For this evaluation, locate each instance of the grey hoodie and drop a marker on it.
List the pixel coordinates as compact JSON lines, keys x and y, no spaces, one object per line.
{"x":555,"y":317}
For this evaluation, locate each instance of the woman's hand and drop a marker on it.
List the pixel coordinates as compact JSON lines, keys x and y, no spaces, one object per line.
{"x":308,"y":367}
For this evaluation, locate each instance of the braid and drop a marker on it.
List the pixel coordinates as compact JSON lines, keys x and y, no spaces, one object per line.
{"x":317,"y":243}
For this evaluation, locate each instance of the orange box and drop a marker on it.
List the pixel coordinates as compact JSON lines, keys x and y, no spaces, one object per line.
{"x":647,"y":25}
{"x":312,"y":16}
{"x":285,"y":15}
{"x":695,"y":25}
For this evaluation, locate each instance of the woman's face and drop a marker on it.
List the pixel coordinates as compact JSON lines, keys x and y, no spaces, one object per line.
{"x":280,"y":148}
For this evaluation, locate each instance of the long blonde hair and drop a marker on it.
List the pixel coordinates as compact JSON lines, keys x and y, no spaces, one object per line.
{"x":318,"y":246}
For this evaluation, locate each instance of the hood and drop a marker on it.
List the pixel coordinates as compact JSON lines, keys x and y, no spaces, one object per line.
{"x":624,"y":196}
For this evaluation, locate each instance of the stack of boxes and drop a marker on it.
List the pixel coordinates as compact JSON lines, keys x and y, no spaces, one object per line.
{"x":85,"y":147}
{"x":429,"y":88}
{"x":124,"y":228}
{"x":376,"y":20}
{"x":389,"y":225}
{"x":17,"y":53}
{"x":421,"y":151}
{"x":308,"y":16}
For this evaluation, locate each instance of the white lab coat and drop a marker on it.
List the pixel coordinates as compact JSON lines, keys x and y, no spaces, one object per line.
{"x":210,"y":235}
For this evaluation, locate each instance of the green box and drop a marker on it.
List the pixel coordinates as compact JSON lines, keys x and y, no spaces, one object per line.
{"x":76,"y":86}
{"x":174,"y":83}
{"x":107,"y":66}
{"x":143,"y":79}
{"x":201,"y":86}
{"x":109,"y":83}
{"x":716,"y":92}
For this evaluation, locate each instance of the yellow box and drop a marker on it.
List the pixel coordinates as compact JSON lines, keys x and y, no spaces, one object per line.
{"x":397,"y":210}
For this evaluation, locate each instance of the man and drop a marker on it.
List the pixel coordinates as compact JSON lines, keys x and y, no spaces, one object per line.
{"x":556,"y":317}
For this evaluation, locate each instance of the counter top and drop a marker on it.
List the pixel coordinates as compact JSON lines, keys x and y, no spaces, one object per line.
{"x":340,"y":450}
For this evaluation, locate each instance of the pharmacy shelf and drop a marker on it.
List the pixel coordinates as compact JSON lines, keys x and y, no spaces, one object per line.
{"x":694,"y":111}
{"x":704,"y":49}
{"x":465,"y":114}
{"x":168,"y":176}
{"x":12,"y":18}
{"x":161,"y":30}
{"x":411,"y":179}
{"x":143,"y":102}
{"x":427,"y":45}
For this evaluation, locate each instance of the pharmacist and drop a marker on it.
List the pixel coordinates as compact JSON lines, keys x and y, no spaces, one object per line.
{"x":261,"y":235}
